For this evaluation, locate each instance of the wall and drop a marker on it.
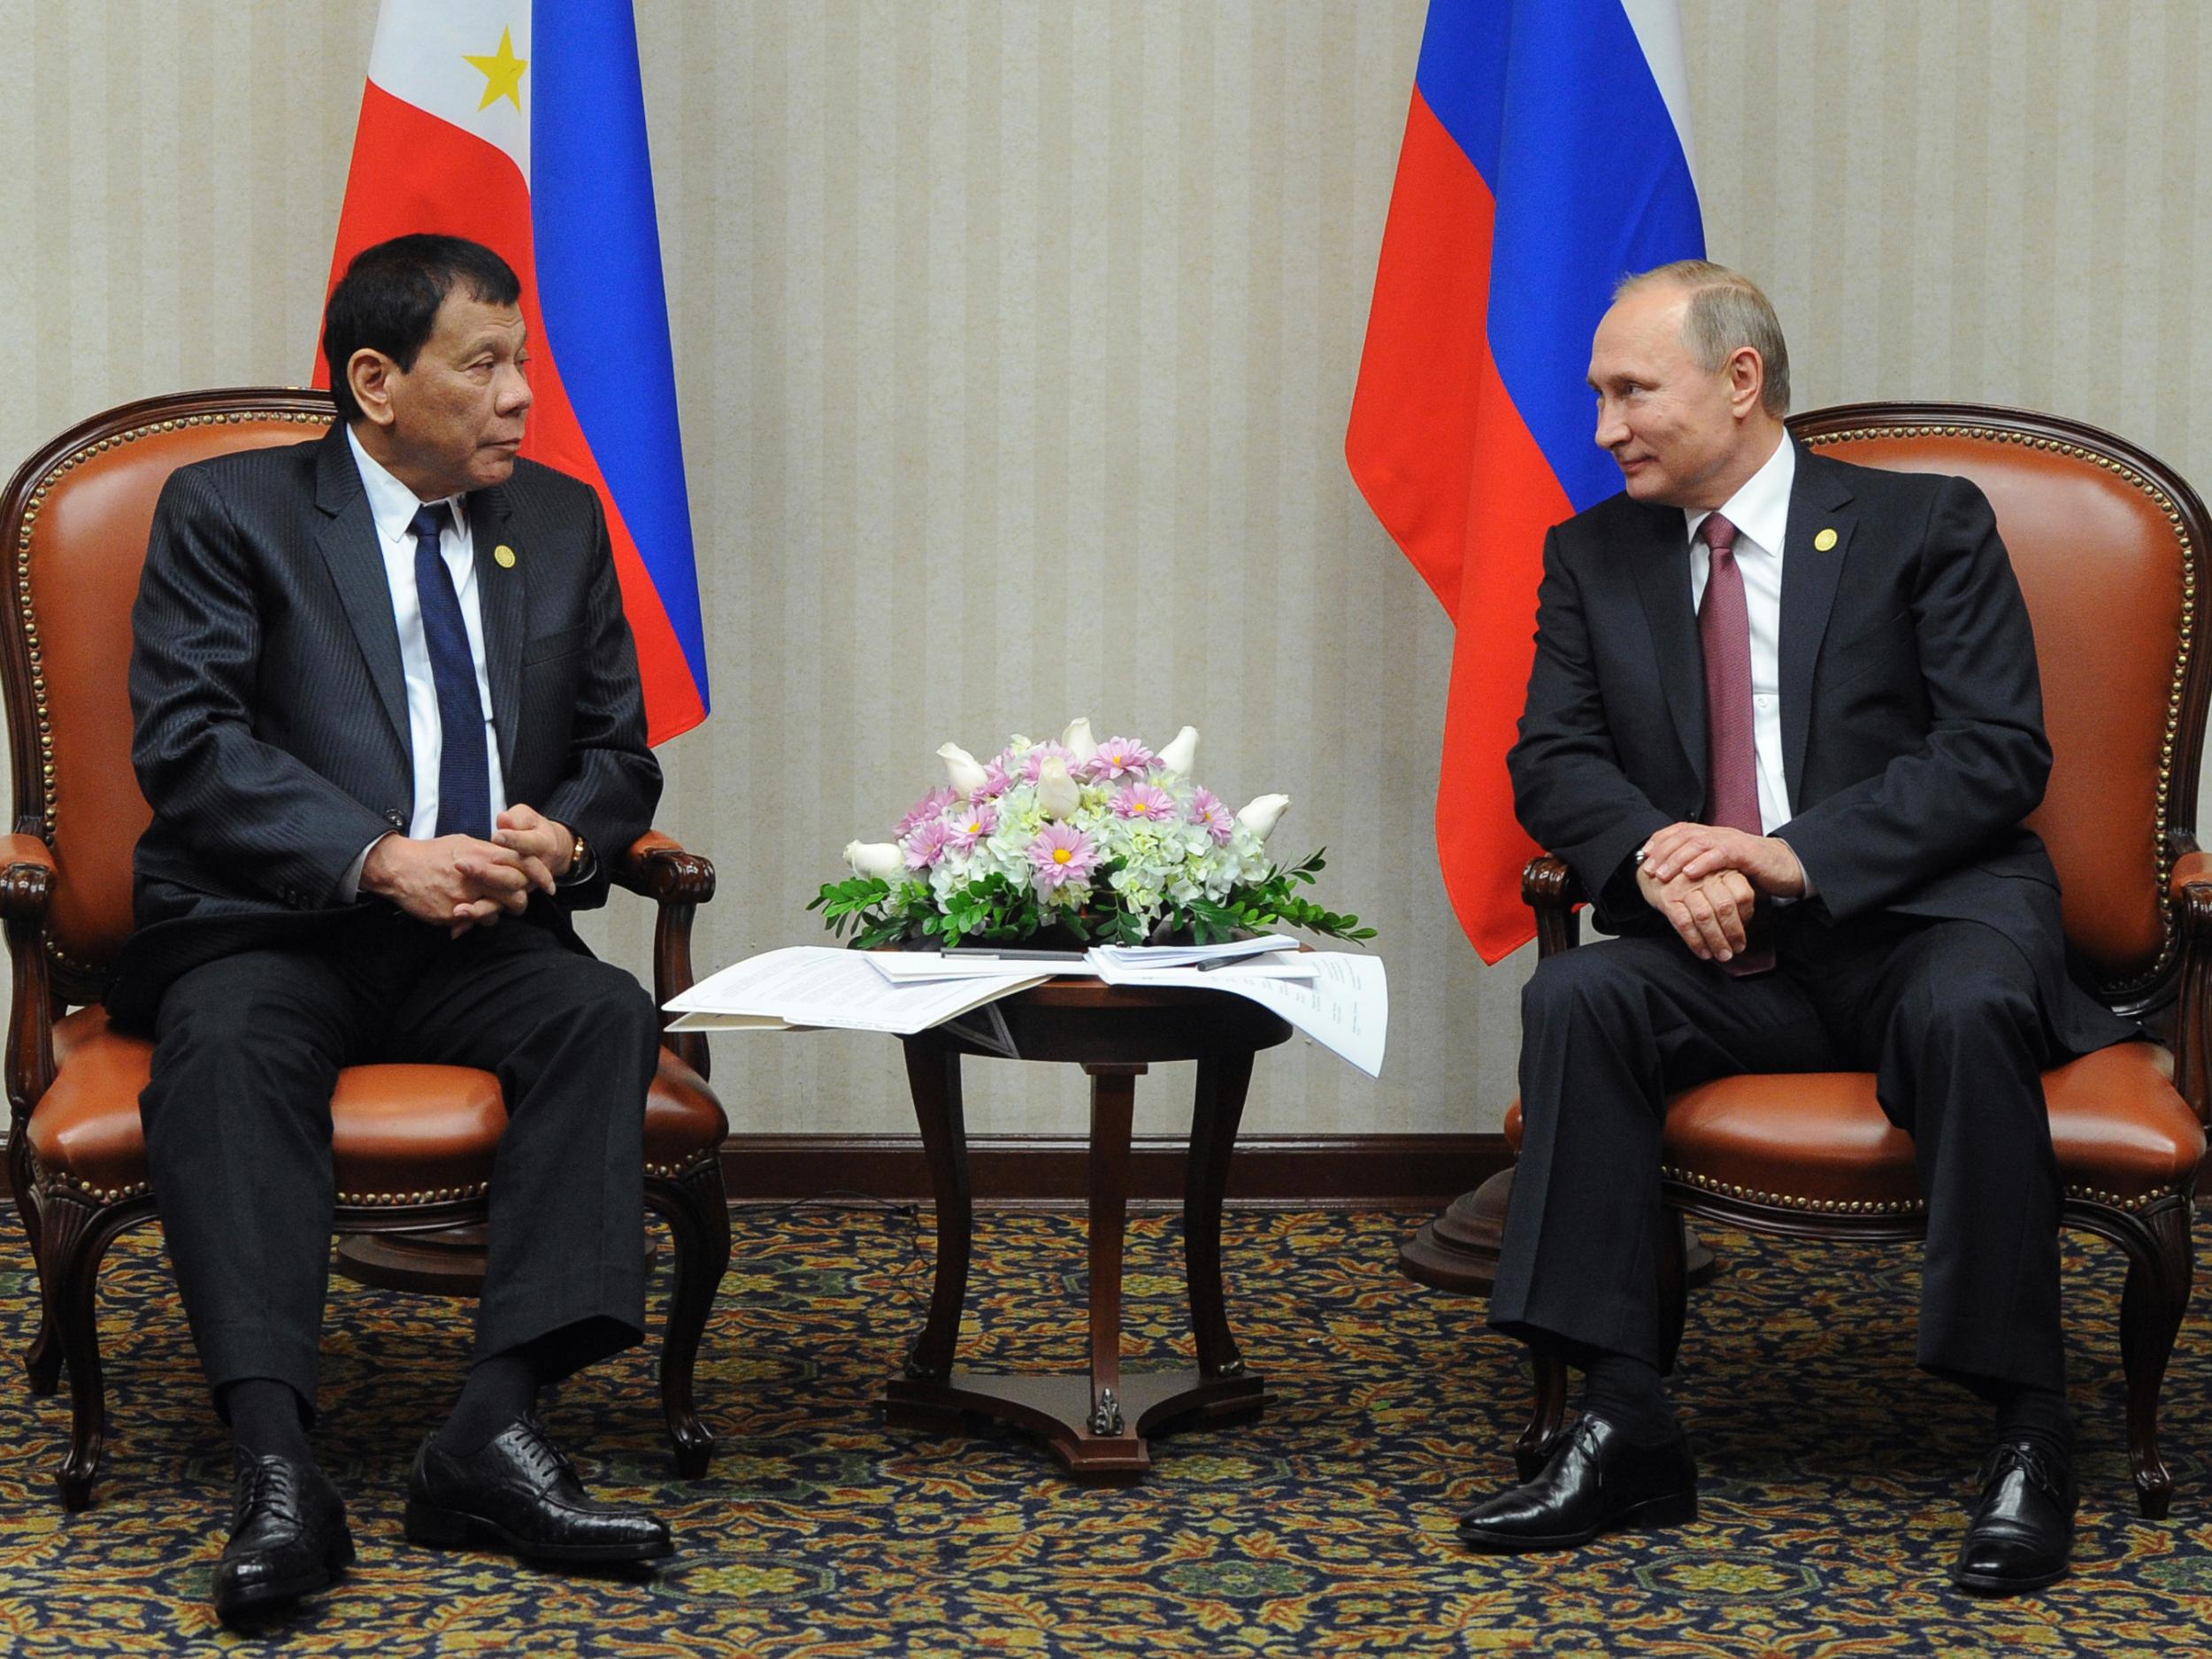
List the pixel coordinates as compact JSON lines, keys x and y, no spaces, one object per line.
{"x":1014,"y":343}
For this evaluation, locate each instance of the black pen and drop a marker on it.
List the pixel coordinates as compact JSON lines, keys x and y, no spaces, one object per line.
{"x":976,"y":954}
{"x":1230,"y":962}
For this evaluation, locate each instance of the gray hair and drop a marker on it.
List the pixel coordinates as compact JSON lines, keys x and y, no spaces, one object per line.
{"x":1727,"y":312}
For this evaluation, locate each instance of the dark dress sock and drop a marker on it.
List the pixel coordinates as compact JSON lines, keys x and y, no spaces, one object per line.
{"x":498,"y":1391}
{"x":268,"y":1419}
{"x":2038,"y":1416}
{"x":1627,"y":1393}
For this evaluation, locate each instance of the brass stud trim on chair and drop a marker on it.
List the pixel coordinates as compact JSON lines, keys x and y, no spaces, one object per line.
{"x":435,"y":1196}
{"x":50,"y":803}
{"x":1790,"y":1201}
{"x":2162,"y":850}
{"x":1889,"y":1206}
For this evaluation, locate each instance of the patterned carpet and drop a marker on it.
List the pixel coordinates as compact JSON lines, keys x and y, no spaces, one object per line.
{"x":1833,"y":1475}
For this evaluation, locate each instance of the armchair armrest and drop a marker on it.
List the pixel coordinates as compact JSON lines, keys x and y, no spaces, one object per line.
{"x":27,"y":884}
{"x":656,"y":867}
{"x":1549,"y":888}
{"x":2192,"y":896}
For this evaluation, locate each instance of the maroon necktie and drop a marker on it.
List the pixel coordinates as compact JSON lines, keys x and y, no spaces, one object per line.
{"x":1724,"y":629}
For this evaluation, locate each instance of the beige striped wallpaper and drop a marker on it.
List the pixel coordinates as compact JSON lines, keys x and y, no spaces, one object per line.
{"x":1016,"y":338}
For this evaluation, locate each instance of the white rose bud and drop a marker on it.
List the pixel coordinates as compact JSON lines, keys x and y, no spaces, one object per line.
{"x":875,"y":858}
{"x":1259,"y":816}
{"x":965,"y":770}
{"x":1056,"y":791}
{"x":1182,"y":754}
{"x":1077,"y":740}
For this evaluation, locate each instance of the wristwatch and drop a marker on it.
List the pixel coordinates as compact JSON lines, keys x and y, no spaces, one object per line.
{"x":578,"y":858}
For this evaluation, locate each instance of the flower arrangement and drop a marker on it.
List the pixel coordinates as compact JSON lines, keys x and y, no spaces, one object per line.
{"x":1107,"y":843}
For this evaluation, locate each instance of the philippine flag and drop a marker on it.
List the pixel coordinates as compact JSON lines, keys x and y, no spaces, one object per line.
{"x":520,"y":124}
{"x":1545,"y":155}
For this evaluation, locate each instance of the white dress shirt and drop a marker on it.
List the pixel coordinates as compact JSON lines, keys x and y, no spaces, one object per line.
{"x":1760,"y":512}
{"x":393,"y":506}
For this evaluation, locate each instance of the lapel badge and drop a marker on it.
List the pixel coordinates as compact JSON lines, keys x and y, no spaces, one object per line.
{"x":1826,"y":539}
{"x":504,"y":556}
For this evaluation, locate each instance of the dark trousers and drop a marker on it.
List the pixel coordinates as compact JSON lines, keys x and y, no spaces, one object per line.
{"x":238,"y":1130}
{"x":1945,"y":1013}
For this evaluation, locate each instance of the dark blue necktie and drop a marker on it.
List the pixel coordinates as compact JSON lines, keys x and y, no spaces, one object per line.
{"x":465,"y":782}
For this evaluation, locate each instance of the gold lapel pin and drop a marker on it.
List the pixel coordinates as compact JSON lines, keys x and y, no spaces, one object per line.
{"x":504,"y":556}
{"x":1826,"y":539}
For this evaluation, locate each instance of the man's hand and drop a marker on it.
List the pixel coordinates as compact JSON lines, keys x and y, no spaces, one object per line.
{"x":455,"y":882}
{"x":1699,"y":850}
{"x":1711,"y":915}
{"x":543,"y":845}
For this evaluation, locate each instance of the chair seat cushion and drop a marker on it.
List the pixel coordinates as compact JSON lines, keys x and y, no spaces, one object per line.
{"x":1819,"y":1141}
{"x":400,"y":1133}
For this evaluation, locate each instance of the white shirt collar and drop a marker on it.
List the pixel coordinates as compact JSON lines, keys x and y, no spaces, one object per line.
{"x":1761,"y":509}
{"x":391,"y":504}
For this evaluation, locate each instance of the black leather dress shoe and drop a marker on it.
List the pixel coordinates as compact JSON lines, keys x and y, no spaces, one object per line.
{"x":287,"y":1537}
{"x":2022,"y":1526}
{"x":520,"y":1493}
{"x":1598,"y":1481}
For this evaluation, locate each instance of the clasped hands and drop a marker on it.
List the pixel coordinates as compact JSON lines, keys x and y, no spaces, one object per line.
{"x":460,"y":882}
{"x":1708,"y":881}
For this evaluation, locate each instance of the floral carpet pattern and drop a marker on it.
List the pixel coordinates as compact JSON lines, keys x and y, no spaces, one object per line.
{"x":1832,"y":1473}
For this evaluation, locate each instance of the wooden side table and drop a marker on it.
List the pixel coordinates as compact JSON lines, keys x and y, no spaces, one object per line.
{"x":1096,"y":1424}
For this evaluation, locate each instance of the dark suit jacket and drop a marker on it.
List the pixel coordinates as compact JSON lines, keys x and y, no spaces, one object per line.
{"x":271,"y":707}
{"x":1912,"y":715}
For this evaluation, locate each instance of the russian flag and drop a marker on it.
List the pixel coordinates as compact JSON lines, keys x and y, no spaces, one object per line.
{"x":520,"y":124}
{"x":1547,"y":155}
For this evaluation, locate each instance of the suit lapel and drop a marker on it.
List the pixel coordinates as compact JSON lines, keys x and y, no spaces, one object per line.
{"x":501,"y":590}
{"x":1663,"y":580}
{"x":347,"y":543}
{"x":1818,"y":504}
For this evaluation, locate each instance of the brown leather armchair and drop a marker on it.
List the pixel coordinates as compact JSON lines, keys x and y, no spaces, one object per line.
{"x":413,"y":1143}
{"x":2109,"y":546}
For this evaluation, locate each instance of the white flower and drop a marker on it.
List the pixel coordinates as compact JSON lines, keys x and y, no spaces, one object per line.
{"x":965,"y":770}
{"x":1259,"y":816}
{"x":875,"y":858}
{"x":1179,"y":756}
{"x":1056,"y":791}
{"x":1077,"y":740}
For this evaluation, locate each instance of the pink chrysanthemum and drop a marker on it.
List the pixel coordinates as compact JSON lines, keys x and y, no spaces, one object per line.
{"x":1033,"y":762}
{"x":927,"y":844}
{"x":970,"y":825}
{"x":1120,"y":757}
{"x":996,"y":779}
{"x":1062,"y":854}
{"x":1147,"y":801}
{"x":928,"y":806}
{"x":1206,"y":808}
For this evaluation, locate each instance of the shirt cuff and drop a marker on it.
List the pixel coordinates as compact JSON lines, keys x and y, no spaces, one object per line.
{"x":349,"y":883}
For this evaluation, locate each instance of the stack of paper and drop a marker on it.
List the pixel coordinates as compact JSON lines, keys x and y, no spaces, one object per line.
{"x":1340,"y":999}
{"x":822,"y":986}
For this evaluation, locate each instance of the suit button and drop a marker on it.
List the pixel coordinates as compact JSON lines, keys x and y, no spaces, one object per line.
{"x":396,"y":819}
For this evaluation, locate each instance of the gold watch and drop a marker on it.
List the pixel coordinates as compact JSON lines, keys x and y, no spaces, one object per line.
{"x":577,"y":854}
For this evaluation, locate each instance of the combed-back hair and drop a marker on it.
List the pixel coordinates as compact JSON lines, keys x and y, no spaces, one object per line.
{"x":388,"y":299}
{"x":1727,"y":312}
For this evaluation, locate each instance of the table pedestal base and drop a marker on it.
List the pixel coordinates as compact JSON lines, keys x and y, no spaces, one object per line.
{"x":1096,"y":1423}
{"x":1059,"y":1409}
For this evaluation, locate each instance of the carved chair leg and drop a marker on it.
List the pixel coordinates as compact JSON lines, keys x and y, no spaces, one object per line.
{"x":2160,"y":1269}
{"x":42,"y":1358}
{"x":698,"y":1215}
{"x":73,"y":1237}
{"x":1538,"y":1440}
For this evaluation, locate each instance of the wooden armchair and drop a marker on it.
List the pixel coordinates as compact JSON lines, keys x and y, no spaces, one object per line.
{"x":413,"y":1143}
{"x":2110,"y":549}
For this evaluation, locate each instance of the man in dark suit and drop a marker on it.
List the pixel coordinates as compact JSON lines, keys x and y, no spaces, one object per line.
{"x":389,"y":720}
{"x":1785,"y":724}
